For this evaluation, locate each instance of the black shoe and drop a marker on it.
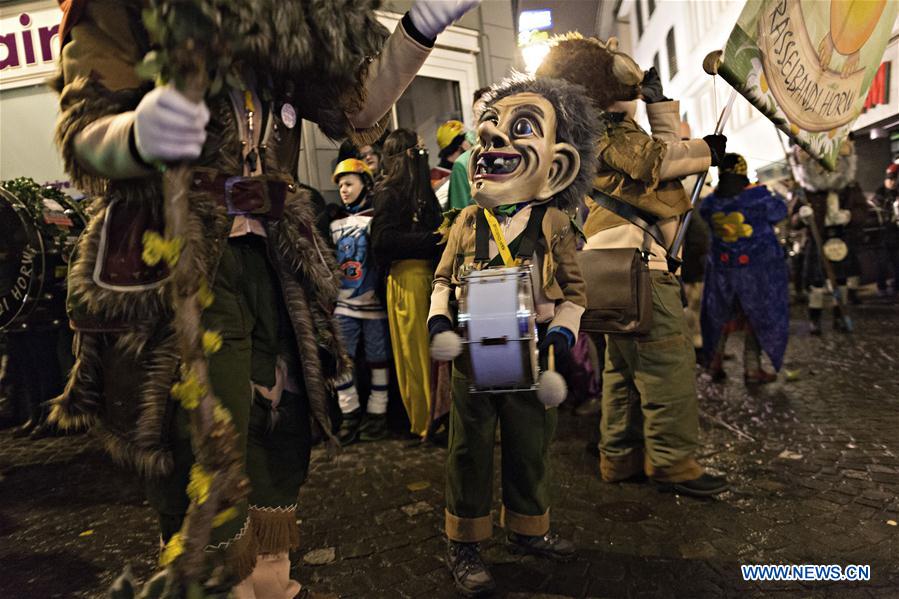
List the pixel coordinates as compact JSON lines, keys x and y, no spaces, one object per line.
{"x":471,"y":576}
{"x":549,"y":545}
{"x":349,"y":427}
{"x":814,"y":327}
{"x":373,"y":428}
{"x":706,"y":485}
{"x":440,"y":437}
{"x":839,"y":323}
{"x":718,"y":375}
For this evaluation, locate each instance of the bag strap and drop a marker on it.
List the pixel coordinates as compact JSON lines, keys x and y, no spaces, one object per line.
{"x":481,"y":238}
{"x":648,"y":222}
{"x":531,"y":232}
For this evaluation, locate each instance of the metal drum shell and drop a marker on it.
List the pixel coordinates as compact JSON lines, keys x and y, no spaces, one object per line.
{"x":477,"y":351}
{"x":33,"y":295}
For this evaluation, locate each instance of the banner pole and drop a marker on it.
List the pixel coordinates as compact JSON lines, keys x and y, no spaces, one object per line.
{"x":673,"y":260}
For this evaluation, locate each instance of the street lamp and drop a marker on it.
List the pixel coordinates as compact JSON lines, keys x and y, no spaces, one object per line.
{"x":534,"y":48}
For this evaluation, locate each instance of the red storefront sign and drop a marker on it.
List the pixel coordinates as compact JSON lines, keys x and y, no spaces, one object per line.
{"x":880,"y":88}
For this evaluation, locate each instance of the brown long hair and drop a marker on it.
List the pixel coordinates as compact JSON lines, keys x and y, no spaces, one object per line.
{"x":405,"y":186}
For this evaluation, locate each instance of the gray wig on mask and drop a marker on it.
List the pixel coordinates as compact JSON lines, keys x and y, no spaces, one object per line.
{"x":577,"y":123}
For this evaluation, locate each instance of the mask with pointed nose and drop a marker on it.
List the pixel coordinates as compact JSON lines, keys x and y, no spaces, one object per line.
{"x":518,"y":158}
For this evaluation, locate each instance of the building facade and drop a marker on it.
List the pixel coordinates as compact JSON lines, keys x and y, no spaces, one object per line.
{"x":479,"y":50}
{"x":675,"y":36}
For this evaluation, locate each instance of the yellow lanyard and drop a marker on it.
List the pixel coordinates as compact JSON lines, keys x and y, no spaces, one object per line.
{"x":499,"y":238}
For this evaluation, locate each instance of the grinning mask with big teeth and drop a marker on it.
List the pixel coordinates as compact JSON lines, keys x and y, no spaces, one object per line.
{"x":518,"y":158}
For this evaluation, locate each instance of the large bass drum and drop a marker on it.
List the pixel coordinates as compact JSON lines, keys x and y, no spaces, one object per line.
{"x":498,"y":323}
{"x":39,"y":228}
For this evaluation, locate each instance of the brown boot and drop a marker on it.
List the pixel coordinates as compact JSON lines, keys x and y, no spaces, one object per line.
{"x":615,"y":469}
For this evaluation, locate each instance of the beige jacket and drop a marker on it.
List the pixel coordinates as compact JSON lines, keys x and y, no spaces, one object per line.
{"x":644,"y":171}
{"x":102,"y":147}
{"x":559,"y":290}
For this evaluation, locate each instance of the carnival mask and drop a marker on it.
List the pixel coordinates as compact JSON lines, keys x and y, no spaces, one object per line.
{"x":518,"y":159}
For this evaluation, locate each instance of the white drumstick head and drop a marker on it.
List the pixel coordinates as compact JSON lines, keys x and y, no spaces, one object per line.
{"x":446,"y":346}
{"x":552,"y":389}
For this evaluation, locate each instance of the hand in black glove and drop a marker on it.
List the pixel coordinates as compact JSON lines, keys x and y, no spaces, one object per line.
{"x":559,"y":341}
{"x":716,"y":144}
{"x":438,"y":324}
{"x":652,"y":87}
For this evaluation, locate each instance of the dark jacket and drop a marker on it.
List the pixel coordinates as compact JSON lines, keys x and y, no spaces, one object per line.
{"x":399,"y":234}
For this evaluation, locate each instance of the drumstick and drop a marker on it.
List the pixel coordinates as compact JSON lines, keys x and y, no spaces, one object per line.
{"x":551,"y":359}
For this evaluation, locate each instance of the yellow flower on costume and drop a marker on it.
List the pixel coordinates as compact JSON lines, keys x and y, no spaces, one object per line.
{"x":225,"y":516}
{"x":204,"y":295}
{"x":199,"y":485}
{"x":188,"y":392}
{"x":212,"y":342}
{"x":221,"y":414}
{"x":157,"y":248}
{"x":173,"y":549}
{"x":731,"y":226}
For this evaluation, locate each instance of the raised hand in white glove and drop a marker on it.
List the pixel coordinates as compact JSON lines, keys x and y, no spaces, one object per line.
{"x":431,"y":17}
{"x":168,"y":127}
{"x":806,"y":213}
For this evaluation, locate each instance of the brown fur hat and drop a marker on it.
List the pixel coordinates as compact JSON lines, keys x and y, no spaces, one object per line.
{"x":607,"y":74}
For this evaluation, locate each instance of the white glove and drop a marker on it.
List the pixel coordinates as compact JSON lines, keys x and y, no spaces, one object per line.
{"x":431,"y":17}
{"x":168,"y":127}
{"x":806,"y":213}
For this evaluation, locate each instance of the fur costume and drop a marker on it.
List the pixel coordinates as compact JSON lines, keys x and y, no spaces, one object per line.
{"x":608,"y":75}
{"x":125,"y":348}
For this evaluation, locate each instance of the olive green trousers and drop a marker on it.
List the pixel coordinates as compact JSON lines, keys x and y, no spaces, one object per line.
{"x":249,"y":314}
{"x":650,"y":418}
{"x":526,"y":431}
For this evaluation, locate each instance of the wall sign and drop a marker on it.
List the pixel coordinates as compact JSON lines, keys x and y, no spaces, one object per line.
{"x":29,"y":43}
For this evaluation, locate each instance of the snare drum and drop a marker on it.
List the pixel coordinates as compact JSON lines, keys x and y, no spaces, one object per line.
{"x":499,"y":329}
{"x":37,"y":234}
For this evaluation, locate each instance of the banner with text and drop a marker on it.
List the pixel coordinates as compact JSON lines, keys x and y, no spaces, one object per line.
{"x":807,"y":64}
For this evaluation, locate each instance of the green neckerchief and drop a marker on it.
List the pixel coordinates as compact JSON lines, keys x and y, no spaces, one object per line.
{"x":508,"y":210}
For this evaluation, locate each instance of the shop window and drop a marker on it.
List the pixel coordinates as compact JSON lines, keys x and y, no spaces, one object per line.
{"x":657,"y":64}
{"x":672,"y":54}
{"x":652,"y":7}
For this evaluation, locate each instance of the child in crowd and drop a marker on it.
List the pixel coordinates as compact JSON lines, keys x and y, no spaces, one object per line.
{"x":359,"y":312}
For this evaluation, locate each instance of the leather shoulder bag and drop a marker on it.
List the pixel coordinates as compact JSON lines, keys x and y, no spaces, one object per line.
{"x":619,"y":292}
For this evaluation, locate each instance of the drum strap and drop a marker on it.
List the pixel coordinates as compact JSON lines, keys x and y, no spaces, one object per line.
{"x":522,"y":247}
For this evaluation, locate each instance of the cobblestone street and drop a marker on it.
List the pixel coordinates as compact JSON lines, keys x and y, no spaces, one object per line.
{"x":814,"y":464}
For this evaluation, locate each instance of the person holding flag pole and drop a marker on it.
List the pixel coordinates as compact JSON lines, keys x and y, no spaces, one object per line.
{"x":650,"y":421}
